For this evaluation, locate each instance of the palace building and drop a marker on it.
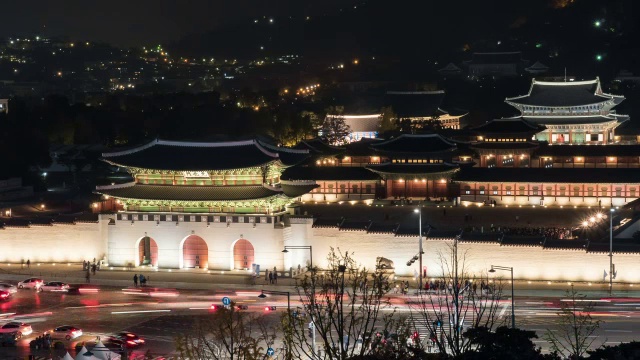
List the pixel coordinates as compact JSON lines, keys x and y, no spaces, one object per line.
{"x":574,"y":112}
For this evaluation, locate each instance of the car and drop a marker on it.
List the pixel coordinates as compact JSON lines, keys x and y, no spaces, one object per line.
{"x":129,"y":339}
{"x":30,"y":283}
{"x":8,"y":287}
{"x":5,"y":295}
{"x":54,"y":286}
{"x":22,"y":329}
{"x":66,"y":332}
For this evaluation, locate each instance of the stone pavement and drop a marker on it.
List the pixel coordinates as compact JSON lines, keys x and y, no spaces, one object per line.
{"x":222,"y":281}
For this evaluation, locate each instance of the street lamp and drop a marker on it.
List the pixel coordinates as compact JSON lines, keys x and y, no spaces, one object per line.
{"x":420,"y":252}
{"x":513,"y":303}
{"x":275,"y":292}
{"x":611,"y":250}
{"x":309,"y":247}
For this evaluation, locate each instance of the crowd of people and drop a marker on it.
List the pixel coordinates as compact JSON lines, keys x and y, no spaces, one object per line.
{"x":548,"y":232}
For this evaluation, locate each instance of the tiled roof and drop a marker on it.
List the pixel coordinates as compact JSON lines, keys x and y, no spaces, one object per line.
{"x":361,"y":147}
{"x":328,"y":173}
{"x":508,"y":125}
{"x":288,"y":157}
{"x":415,"y":144}
{"x":588,"y":150}
{"x":294,"y":190}
{"x":557,"y":94}
{"x":318,"y":147}
{"x":417,"y":169}
{"x":327,"y":222}
{"x":408,"y":104}
{"x":549,"y":175}
{"x":353,"y":225}
{"x":189,"y":193}
{"x":192,"y":156}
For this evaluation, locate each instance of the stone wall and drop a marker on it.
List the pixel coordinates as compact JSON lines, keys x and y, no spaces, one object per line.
{"x":55,"y":243}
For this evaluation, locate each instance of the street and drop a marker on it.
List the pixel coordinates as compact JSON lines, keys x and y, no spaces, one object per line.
{"x":160,"y":316}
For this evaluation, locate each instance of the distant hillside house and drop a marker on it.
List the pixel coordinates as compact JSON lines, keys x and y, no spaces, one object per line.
{"x":575,"y":112}
{"x":497,"y":64}
{"x":423,"y":105}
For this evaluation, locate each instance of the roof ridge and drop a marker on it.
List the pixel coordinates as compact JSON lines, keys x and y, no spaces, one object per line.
{"x":189,"y":144}
{"x":284,"y":149}
{"x":425,"y":92}
{"x":116,"y":186}
{"x":570,"y":83}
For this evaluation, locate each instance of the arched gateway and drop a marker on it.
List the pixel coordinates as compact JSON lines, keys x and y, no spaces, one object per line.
{"x":195,"y":252}
{"x":243,"y":254}
{"x":147,"y":252}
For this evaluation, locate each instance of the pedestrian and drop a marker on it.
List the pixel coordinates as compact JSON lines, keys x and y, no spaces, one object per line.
{"x":270,"y":277}
{"x":266,"y":275}
{"x":93,"y":269}
{"x":475,"y":288}
{"x":84,"y":265}
{"x":28,"y":264}
{"x":143,"y":281}
{"x":88,"y":276}
{"x":275,"y":277}
{"x":135,"y":280}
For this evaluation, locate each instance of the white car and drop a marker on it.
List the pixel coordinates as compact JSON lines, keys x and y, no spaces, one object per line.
{"x":54,"y":286}
{"x":66,"y":332}
{"x":8,"y":287}
{"x":20,"y":328}
{"x":30,"y":283}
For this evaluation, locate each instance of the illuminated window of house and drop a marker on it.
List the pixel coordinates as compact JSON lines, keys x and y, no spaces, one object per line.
{"x":481,"y":190}
{"x":535,"y":190}
{"x":467,"y":190}
{"x":495,"y":190}
{"x":508,"y":188}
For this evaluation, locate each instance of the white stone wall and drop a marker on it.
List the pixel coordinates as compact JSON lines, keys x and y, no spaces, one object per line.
{"x":549,"y":200}
{"x":124,"y":237}
{"x":56,"y":243}
{"x":532,"y":263}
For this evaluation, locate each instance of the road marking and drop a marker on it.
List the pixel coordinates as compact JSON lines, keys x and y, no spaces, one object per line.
{"x":139,"y":311}
{"x":627,"y":331}
{"x":504,"y":309}
{"x":100,"y":306}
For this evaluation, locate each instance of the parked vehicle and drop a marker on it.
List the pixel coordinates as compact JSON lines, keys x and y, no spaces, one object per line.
{"x":30,"y":283}
{"x":54,"y":286}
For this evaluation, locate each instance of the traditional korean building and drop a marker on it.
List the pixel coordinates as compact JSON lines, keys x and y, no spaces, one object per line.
{"x":505,"y":142}
{"x":423,"y":106}
{"x":495,"y":64}
{"x":416,"y":166}
{"x":216,"y":177}
{"x":197,"y":204}
{"x":577,"y":112}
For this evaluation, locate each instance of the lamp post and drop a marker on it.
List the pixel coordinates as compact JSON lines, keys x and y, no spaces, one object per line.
{"x":611,"y":250}
{"x":275,"y":292}
{"x":419,"y":212}
{"x":304,"y":247}
{"x":513,"y":304}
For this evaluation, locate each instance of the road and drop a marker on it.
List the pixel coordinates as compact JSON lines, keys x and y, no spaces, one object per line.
{"x":165,"y":315}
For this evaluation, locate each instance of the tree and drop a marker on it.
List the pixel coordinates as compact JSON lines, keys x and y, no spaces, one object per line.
{"x":388,"y":121}
{"x":335,"y":130}
{"x":502,"y":344}
{"x":625,"y":351}
{"x":455,"y":305}
{"x":344,"y":306}
{"x":228,"y":333}
{"x":573,"y":337}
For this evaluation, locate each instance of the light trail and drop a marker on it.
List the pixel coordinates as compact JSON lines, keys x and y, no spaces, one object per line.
{"x":139,"y":311}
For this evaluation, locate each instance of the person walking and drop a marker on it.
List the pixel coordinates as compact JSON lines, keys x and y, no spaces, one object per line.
{"x":275,"y":277}
{"x":270,"y":277}
{"x":93,"y":269}
{"x":266,"y":276}
{"x":28,"y":264}
{"x":135,"y":280}
{"x":143,"y":281}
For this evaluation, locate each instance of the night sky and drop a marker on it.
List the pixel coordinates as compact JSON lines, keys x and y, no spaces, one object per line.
{"x":135,"y":22}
